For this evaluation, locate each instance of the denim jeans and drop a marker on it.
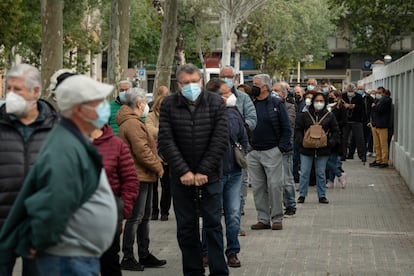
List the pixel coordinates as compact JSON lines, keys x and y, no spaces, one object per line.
{"x":320,"y":167}
{"x":266,"y":172}
{"x":289,"y":181}
{"x":138,"y":224}
{"x":52,"y":265}
{"x":188,"y":207}
{"x":333,"y":166}
{"x":232,"y":185}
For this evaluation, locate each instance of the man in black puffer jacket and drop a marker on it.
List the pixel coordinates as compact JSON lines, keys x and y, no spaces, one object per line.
{"x":24,"y":123}
{"x":193,"y":137}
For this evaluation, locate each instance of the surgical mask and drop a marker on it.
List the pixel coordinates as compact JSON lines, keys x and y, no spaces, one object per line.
{"x":318,"y":105}
{"x":16,"y":104}
{"x":311,"y":87}
{"x":229,"y":82}
{"x":122,"y":97}
{"x":255,"y":91}
{"x":360,"y":92}
{"x":308,"y":101}
{"x":191,"y":91}
{"x":146,"y":110}
{"x":103,"y":111}
{"x":325,"y":90}
{"x":350,"y":94}
{"x":291,"y":91}
{"x":231,"y":100}
{"x":378,"y":96}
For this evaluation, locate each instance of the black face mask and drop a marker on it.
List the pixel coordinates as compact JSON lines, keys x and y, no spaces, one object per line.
{"x":298,"y":98}
{"x":255,"y":91}
{"x":331,"y":100}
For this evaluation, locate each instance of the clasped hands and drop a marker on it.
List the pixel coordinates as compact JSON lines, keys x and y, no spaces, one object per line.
{"x":190,"y":179}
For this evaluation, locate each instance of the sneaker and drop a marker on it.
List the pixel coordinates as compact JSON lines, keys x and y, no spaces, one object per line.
{"x":329,"y":184}
{"x":290,"y":212}
{"x":301,"y":199}
{"x":233,"y":261}
{"x":374,"y":164}
{"x":164,"y":217}
{"x":383,"y":165}
{"x":323,"y":200}
{"x":342,"y":180}
{"x":242,"y":233}
{"x":131,"y":264}
{"x":154,"y":216}
{"x":260,"y":226}
{"x":277,"y":225}
{"x":152,"y":261}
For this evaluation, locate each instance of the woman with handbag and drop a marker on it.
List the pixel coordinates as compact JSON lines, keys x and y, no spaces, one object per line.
{"x":312,"y":150}
{"x":231,"y":179}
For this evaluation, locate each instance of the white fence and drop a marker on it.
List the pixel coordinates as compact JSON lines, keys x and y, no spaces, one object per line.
{"x":398,"y":77}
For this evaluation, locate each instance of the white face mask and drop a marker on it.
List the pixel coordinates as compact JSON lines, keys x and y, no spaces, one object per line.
{"x":308,"y":101}
{"x":231,"y":100}
{"x":146,"y":110}
{"x":318,"y":106}
{"x":16,"y":104}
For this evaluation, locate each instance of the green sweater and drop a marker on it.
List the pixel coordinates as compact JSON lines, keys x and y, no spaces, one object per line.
{"x":64,"y":176}
{"x":115,"y":106}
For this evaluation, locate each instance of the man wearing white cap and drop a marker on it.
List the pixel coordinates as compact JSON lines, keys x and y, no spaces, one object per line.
{"x":65,"y":214}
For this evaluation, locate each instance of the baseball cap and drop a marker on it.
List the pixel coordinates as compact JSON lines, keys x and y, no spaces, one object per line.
{"x":80,"y":89}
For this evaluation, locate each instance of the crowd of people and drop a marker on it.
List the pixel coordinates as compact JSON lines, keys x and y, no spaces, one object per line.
{"x":80,"y":174}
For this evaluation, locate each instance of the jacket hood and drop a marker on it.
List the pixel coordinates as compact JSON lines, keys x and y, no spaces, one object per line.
{"x":125,"y":113}
{"x":108,"y":133}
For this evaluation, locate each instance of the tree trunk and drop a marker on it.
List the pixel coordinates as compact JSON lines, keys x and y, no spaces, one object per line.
{"x":227,"y":30}
{"x":52,"y":42}
{"x":118,"y":40}
{"x":167,"y":47}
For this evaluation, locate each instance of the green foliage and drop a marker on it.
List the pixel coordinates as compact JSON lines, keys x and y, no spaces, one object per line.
{"x":375,"y":25}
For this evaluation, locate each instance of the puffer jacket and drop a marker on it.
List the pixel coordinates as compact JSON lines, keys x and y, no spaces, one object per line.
{"x":16,"y":156}
{"x":133,"y":131}
{"x":119,"y":168}
{"x":329,"y":124}
{"x":193,"y":137}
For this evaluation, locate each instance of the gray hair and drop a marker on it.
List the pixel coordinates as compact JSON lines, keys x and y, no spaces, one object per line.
{"x":265,"y":80}
{"x":125,"y":81}
{"x":350,"y":87}
{"x":29,"y":73}
{"x":135,"y":95}
{"x":316,"y":82}
{"x":187,"y":68}
{"x":228,"y":67}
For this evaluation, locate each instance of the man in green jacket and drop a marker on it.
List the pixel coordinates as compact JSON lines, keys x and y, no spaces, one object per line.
{"x":123,"y":87}
{"x":65,"y":214}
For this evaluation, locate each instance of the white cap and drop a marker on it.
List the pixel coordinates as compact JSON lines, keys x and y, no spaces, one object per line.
{"x":80,"y":89}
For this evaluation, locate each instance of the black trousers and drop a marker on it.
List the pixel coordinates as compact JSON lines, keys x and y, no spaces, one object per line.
{"x":165,"y":201}
{"x":110,"y":259}
{"x":356,"y":130}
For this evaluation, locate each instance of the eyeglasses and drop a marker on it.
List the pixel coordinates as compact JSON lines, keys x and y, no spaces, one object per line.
{"x":187,"y":82}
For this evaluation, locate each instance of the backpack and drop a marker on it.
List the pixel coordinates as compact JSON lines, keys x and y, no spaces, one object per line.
{"x":315,"y":137}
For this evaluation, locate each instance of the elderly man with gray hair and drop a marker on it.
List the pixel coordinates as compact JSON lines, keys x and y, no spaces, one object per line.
{"x":25,"y":121}
{"x":65,"y":215}
{"x":271,"y":139}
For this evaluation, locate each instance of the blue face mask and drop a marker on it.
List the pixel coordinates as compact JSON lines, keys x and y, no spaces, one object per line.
{"x":191,"y":91}
{"x":360,"y":92}
{"x":229,"y":82}
{"x":311,"y":87}
{"x":122,"y":97}
{"x":104,"y":111}
{"x":378,"y":96}
{"x":325,"y":90}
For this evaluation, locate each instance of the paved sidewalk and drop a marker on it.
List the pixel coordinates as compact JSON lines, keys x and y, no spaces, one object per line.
{"x":367,"y":229}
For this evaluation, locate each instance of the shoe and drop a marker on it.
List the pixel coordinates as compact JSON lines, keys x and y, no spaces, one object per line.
{"x":233,"y":261}
{"x":205,"y":261}
{"x":342,"y":180}
{"x":131,"y":264}
{"x":242,"y":233}
{"x":323,"y":200}
{"x":164,"y":217}
{"x":343,"y":158}
{"x":301,"y":199}
{"x":152,"y":261}
{"x":290,"y":212}
{"x":383,"y":165}
{"x":349,"y":156}
{"x":260,"y":226}
{"x":374,"y":164}
{"x":329,"y":184}
{"x":277,"y":225}
{"x":154,"y":216}
{"x":242,"y":212}
{"x":369,"y":154}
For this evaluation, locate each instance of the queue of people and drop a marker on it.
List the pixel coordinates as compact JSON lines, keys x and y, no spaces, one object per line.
{"x":77,"y":169}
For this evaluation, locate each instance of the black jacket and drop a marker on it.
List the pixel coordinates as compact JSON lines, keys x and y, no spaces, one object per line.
{"x":381,"y":113}
{"x":357,"y":113}
{"x":329,"y":124}
{"x":342,"y":120}
{"x":16,"y":156}
{"x":193,"y":137}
